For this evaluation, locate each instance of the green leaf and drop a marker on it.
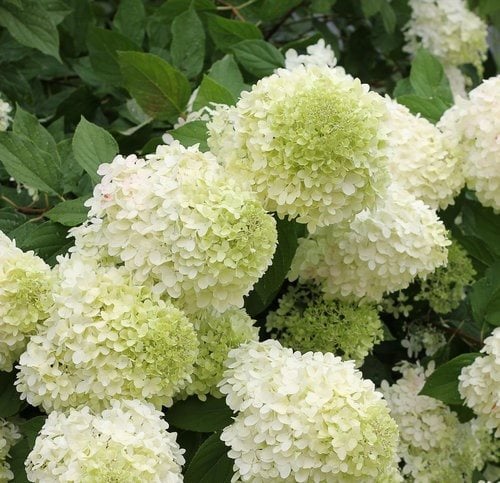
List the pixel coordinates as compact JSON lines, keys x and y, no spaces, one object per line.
{"x":269,"y":284}
{"x":47,"y":239}
{"x":258,"y":57}
{"x":371,"y":7}
{"x":188,"y":43}
{"x":485,"y":297}
{"x":10,"y":220}
{"x":31,"y":428}
{"x":58,"y":9}
{"x":432,"y":109}
{"x":225,"y":33}
{"x":271,"y":9}
{"x":160,"y":89}
{"x":103,"y":52}
{"x":194,"y":132}
{"x":210,"y":464}
{"x":201,"y":416}
{"x":442,"y":384}
{"x":426,"y":73}
{"x":388,"y":16}
{"x":93,"y":146}
{"x":9,"y":397}
{"x":31,"y":25}
{"x":227,"y":73}
{"x":69,"y":213}
{"x":211,"y":91}
{"x":130,"y":20}
{"x":29,"y":164}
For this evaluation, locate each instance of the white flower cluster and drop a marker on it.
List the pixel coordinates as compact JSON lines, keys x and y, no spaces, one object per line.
{"x":472,"y":128}
{"x":128,"y":442}
{"x":419,"y":160}
{"x":178,"y":218}
{"x":5,"y":109}
{"x":434,"y":445}
{"x":305,"y":418}
{"x":308,"y":141}
{"x":217,"y":334}
{"x":9,"y":435}
{"x":381,"y":250}
{"x":25,"y":299}
{"x":106,"y":339}
{"x":449,"y":30}
{"x":422,"y":338}
{"x":319,"y":54}
{"x":479,"y":383}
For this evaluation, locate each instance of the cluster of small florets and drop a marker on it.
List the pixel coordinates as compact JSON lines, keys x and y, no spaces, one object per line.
{"x":434,"y":445}
{"x":445,"y":288}
{"x":305,"y":418}
{"x":319,"y":54}
{"x":418,"y":159}
{"x":420,"y":338}
{"x":178,"y":219}
{"x":106,"y":339}
{"x":9,"y":435}
{"x":127,"y":442}
{"x":398,"y":304}
{"x":449,"y":30}
{"x":308,"y":141}
{"x":25,"y":299}
{"x":306,"y":321}
{"x":380,"y":251}
{"x":471,"y":127}
{"x":217,"y":334}
{"x":5,"y":109}
{"x":479,"y":383}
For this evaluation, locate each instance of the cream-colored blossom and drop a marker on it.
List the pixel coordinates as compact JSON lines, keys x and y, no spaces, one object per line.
{"x":5,"y":109}
{"x":177,"y":218}
{"x":9,"y":435}
{"x":318,"y":54}
{"x":305,"y":418}
{"x":479,"y":383}
{"x":108,"y":338}
{"x":25,"y":299}
{"x":449,"y":30}
{"x":380,"y":251}
{"x":422,"y":338}
{"x":308,"y":141}
{"x":306,"y":321}
{"x":472,"y":129}
{"x":419,"y":160}
{"x":434,"y":446}
{"x":127,"y":442}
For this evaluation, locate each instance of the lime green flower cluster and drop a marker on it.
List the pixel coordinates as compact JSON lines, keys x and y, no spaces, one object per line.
{"x":445,"y":288}
{"x":25,"y":299}
{"x":217,"y":334}
{"x":9,"y":435}
{"x":306,"y":321}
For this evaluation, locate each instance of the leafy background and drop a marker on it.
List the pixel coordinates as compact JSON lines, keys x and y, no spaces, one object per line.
{"x":90,"y":79}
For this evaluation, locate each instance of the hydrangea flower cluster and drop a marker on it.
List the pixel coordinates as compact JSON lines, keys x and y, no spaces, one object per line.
{"x":25,"y":299}
{"x":380,"y":251}
{"x":308,"y":141}
{"x":306,"y":321}
{"x":106,"y":339}
{"x":127,"y":442}
{"x":319,"y":54}
{"x":217,"y":334}
{"x":444,"y":289}
{"x":471,"y":127}
{"x":479,"y":383}
{"x":177,"y":218}
{"x":305,"y":418}
{"x":422,"y":338}
{"x":9,"y":435}
{"x":434,"y":445}
{"x":449,"y":30}
{"x":419,"y":160}
{"x":5,"y":109}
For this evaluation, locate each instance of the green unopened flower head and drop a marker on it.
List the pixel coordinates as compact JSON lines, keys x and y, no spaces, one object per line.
{"x":217,"y":334}
{"x":445,"y":288}
{"x":25,"y":299}
{"x":306,"y":321}
{"x":309,"y":141}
